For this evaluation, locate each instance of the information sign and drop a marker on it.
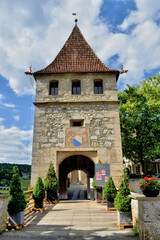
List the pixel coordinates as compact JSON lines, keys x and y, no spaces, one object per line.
{"x":102,"y":173}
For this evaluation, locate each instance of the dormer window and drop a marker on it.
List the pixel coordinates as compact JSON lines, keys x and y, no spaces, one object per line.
{"x":76,"y":87}
{"x":53,"y":89}
{"x":98,"y":86}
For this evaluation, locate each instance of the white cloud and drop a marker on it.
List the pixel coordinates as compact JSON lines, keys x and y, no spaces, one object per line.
{"x":142,"y":48}
{"x":17,"y":118}
{"x":1,"y":97}
{"x":4,"y":104}
{"x":1,"y":119}
{"x":15,"y":145}
{"x":9,"y":105}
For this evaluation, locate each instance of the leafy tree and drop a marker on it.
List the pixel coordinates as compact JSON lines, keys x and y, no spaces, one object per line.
{"x":122,"y":201}
{"x":140,"y":121}
{"x":109,"y":191}
{"x":16,"y":201}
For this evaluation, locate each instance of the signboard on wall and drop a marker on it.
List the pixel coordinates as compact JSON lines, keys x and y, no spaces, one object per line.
{"x":102,"y":174}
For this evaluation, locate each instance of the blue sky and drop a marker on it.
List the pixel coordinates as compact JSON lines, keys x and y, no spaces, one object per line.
{"x":33,"y":32}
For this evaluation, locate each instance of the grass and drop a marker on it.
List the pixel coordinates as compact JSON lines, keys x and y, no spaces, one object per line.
{"x":135,"y":232}
{"x":25,"y":183}
{"x":3,"y":192}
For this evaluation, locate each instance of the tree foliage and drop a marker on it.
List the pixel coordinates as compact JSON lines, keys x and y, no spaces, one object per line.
{"x":140,"y":121}
{"x":51,"y":182}
{"x":16,"y":201}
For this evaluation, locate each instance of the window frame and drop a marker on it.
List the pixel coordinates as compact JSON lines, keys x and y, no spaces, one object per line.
{"x":77,"y":88}
{"x":80,"y":123}
{"x":55,"y":89}
{"x":98,"y":89}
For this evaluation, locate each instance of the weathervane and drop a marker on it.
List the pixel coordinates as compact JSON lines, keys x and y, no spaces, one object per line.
{"x":76,"y":20}
{"x":123,"y":70}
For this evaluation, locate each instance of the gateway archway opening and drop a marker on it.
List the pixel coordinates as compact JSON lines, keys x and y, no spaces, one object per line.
{"x":70,"y":164}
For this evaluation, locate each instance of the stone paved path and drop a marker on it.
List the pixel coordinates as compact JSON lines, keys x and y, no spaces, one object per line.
{"x":71,"y":219}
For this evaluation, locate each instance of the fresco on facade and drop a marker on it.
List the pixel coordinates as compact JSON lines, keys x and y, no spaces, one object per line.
{"x":77,"y":137}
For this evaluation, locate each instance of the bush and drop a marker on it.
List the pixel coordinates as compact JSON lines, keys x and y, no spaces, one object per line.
{"x":16,"y":201}
{"x":109,"y":191}
{"x":98,"y":188}
{"x":122,"y":201}
{"x":51,"y":182}
{"x":39,"y":191}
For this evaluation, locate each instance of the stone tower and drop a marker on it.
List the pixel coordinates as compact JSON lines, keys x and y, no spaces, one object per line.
{"x":76,"y":121}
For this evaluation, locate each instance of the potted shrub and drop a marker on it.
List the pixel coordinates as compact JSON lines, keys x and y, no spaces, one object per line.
{"x":16,"y":201}
{"x":38,"y":193}
{"x":149,"y":186}
{"x":97,"y":190}
{"x":122,"y":202}
{"x":109,"y":192}
{"x":51,"y":184}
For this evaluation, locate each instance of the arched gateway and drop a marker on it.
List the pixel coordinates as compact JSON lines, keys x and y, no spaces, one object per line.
{"x":69,"y":164}
{"x":76,"y":123}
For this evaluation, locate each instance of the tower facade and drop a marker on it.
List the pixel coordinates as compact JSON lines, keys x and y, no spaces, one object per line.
{"x":76,"y":121}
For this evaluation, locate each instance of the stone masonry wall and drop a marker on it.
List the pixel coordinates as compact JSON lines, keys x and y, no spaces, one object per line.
{"x":3,"y":211}
{"x":145,"y":211}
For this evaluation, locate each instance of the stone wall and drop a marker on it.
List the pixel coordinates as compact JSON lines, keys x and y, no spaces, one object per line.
{"x":3,"y":211}
{"x":146,"y":216}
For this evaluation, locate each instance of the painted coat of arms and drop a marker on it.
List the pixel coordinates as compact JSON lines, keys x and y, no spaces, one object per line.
{"x":77,"y":137}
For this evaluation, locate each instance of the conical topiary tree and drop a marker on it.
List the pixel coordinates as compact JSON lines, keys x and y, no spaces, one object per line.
{"x":16,"y":201}
{"x":51,"y":183}
{"x":122,"y":201}
{"x":39,"y":193}
{"x":109,"y":191}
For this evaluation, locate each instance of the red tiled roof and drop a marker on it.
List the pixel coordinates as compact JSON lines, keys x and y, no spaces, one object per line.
{"x":76,"y":56}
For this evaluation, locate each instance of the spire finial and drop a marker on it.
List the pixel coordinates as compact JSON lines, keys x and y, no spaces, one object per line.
{"x":76,"y":20}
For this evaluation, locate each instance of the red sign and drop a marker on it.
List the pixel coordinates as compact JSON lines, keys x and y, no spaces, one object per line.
{"x":103,"y":172}
{"x":106,"y":178}
{"x":98,"y":176}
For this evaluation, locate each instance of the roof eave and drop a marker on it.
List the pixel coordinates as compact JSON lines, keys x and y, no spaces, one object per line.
{"x":35,"y":74}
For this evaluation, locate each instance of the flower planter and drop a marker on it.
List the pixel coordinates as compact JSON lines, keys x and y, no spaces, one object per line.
{"x":38,"y":203}
{"x":51,"y":196}
{"x":110,"y":204}
{"x":99,"y":195}
{"x":151,"y":192}
{"x":124,"y":218}
{"x":17,"y":219}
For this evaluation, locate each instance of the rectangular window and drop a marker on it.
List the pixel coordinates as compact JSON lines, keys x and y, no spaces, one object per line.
{"x":76,"y":123}
{"x":98,"y":87}
{"x":76,"y":87}
{"x":53,"y":88}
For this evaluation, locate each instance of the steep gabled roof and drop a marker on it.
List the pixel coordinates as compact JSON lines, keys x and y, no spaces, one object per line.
{"x":76,"y":56}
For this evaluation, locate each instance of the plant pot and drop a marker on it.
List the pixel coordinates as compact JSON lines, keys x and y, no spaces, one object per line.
{"x":16,"y":219}
{"x":99,"y":195}
{"x":124,"y":218}
{"x":92,"y":194}
{"x":110,"y":204}
{"x":151,"y":192}
{"x":38,"y":203}
{"x":51,"y":195}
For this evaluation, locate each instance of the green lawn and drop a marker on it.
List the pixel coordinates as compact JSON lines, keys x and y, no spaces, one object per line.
{"x":3,"y":192}
{"x":25,"y":184}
